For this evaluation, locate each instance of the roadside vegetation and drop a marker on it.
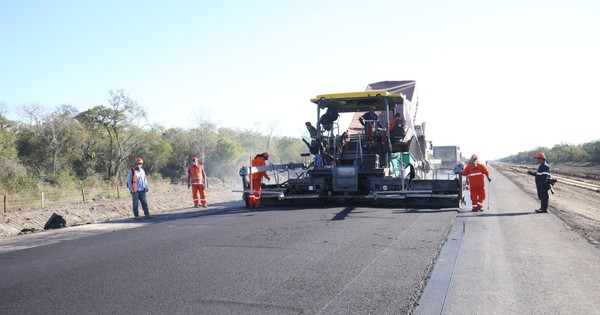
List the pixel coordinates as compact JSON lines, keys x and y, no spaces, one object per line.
{"x":66,"y":149}
{"x":586,"y":154}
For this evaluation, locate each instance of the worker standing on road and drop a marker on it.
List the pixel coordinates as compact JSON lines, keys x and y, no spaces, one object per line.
{"x":259,"y":160}
{"x":475,"y":173}
{"x":196,"y":179}
{"x":138,"y":187}
{"x":541,"y":178}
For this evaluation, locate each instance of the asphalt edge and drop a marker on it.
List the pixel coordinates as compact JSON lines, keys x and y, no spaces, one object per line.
{"x":433,"y":298}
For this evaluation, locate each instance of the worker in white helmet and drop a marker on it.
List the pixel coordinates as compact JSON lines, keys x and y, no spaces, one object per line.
{"x":475,"y":172}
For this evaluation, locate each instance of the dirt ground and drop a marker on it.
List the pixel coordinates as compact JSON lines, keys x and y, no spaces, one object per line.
{"x":577,"y":207}
{"x":179,"y":197}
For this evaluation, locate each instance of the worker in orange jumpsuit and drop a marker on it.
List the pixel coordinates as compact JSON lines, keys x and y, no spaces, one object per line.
{"x":475,"y":173}
{"x":197,"y":181}
{"x":259,"y":160}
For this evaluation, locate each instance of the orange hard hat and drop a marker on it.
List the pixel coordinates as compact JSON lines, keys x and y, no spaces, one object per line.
{"x":540,"y":155}
{"x":139,"y":161}
{"x":195,"y":159}
{"x":474,"y":157}
{"x":266,"y":155}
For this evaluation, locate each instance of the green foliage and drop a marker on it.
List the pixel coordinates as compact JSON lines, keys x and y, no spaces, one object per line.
{"x":287,"y":150}
{"x":153,"y":149}
{"x":111,"y":195}
{"x":14,"y":177}
{"x":96,"y":148}
{"x":561,"y":153}
{"x":118,"y":127}
{"x":593,"y":151}
{"x":65,"y":180}
{"x":223,"y":159}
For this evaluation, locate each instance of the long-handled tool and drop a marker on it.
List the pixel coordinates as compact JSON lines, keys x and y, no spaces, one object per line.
{"x":489,"y":194}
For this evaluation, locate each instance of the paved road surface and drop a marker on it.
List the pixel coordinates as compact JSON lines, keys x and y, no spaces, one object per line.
{"x":506,"y":260}
{"x":510,"y":260}
{"x":228,"y":261}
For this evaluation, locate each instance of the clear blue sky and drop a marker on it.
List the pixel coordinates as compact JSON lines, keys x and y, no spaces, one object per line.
{"x":495,"y":77}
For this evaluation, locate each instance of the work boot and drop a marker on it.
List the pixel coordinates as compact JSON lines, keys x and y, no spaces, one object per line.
{"x":543,"y":207}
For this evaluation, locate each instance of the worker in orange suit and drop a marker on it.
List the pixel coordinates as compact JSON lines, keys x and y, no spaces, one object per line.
{"x":475,"y":173}
{"x":259,"y":160}
{"x":397,"y":126}
{"x":197,"y":181}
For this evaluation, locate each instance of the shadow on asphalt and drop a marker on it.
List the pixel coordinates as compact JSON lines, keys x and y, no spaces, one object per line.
{"x":223,"y":208}
{"x":237,"y":207}
{"x":484,"y":214}
{"x":346,"y":211}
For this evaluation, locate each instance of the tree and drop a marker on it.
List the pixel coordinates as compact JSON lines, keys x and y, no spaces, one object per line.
{"x":272,"y":127}
{"x":286,"y":150}
{"x":32,"y":112}
{"x":178,"y":160}
{"x":119,"y":125}
{"x":59,"y":136}
{"x":224,"y":158}
{"x":203,"y":140}
{"x":7,"y":137}
{"x":154,"y":150}
{"x":593,"y":151}
{"x":13,"y":176}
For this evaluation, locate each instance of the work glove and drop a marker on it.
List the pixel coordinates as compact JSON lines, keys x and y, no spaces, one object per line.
{"x":268,"y":178}
{"x":489,"y":180}
{"x":189,"y":185}
{"x":146,"y":190}
{"x":530,"y":172}
{"x":131,"y":192}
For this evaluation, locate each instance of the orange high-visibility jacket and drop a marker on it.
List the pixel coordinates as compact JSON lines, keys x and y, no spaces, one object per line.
{"x":476,"y":174}
{"x":196,"y":174}
{"x":133,"y":180}
{"x":258,"y":161}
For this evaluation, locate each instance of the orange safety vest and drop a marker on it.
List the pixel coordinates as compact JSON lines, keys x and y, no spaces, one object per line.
{"x":476,"y":174}
{"x":196,"y":174}
{"x":133,"y":180}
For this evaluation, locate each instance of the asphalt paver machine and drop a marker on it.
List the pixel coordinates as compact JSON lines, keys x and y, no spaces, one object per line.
{"x":355,"y":158}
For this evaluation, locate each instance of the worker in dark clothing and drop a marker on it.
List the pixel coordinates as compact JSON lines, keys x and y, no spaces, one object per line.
{"x":368,"y":117}
{"x":397,"y":126}
{"x":370,"y":122}
{"x":327,"y":120}
{"x":541,"y":181}
{"x":311,"y":130}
